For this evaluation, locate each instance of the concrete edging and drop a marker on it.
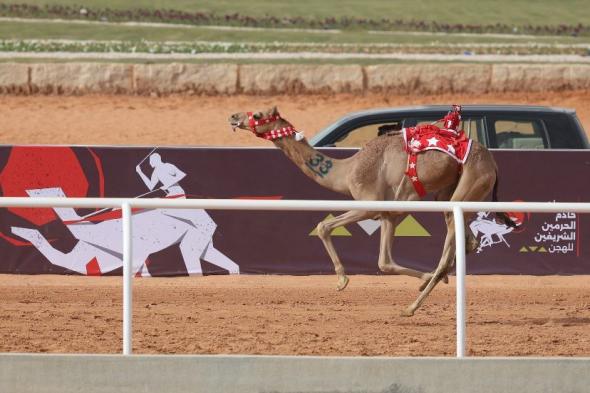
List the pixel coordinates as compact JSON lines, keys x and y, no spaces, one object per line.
{"x":115,"y":78}
{"x":211,"y":373}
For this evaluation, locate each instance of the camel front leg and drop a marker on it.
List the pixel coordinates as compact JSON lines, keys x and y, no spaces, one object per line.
{"x":324,"y":230}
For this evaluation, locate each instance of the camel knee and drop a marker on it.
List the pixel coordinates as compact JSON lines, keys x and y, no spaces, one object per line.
{"x":323,"y":230}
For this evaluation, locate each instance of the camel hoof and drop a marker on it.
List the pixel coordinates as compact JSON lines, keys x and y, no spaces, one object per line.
{"x":342,"y":283}
{"x":408,"y":312}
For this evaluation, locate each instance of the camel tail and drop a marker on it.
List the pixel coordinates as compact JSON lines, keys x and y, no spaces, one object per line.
{"x":501,"y":215}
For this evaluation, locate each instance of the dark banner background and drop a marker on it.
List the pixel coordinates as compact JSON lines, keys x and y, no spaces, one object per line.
{"x":283,"y":242}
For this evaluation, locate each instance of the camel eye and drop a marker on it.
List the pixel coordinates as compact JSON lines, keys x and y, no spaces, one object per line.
{"x":257,"y":115}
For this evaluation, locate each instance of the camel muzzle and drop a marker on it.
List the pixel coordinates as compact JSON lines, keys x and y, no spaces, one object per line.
{"x":235,"y":121}
{"x":235,"y":124}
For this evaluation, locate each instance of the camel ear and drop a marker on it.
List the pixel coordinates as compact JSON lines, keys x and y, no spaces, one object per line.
{"x":274,"y":111}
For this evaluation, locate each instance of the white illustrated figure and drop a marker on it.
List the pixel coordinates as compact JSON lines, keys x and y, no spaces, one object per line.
{"x":165,"y":173}
{"x":101,"y":244}
{"x":488,"y":228}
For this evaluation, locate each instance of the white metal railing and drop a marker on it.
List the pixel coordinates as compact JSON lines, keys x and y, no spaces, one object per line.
{"x":457,"y":208}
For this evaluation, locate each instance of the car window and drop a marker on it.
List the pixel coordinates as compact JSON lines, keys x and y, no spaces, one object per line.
{"x":473,"y":127}
{"x":520,"y":134}
{"x":360,"y":136}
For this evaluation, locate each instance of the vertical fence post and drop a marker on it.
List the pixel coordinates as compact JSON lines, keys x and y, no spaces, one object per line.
{"x":460,"y":273}
{"x":127,"y":277}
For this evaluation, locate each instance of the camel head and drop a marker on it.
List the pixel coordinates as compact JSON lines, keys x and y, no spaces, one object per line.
{"x":267,"y":124}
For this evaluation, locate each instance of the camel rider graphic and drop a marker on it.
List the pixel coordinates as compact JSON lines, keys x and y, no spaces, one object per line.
{"x":201,"y":241}
{"x":99,"y":248}
{"x":165,"y":173}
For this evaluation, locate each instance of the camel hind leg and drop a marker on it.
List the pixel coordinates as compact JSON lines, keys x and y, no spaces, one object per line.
{"x":216,"y":257}
{"x":473,"y":186}
{"x":192,"y":247}
{"x":471,"y":242}
{"x":195,"y":246}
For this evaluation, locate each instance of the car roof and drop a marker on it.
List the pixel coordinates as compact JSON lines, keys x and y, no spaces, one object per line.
{"x":464,"y":108}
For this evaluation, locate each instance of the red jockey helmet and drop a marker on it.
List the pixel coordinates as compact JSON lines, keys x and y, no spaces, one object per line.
{"x":453,"y":118}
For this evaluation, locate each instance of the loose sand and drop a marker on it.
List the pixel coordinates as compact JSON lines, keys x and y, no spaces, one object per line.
{"x":269,"y":314}
{"x":289,"y":315}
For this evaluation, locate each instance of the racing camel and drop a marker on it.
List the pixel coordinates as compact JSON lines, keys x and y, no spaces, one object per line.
{"x":377,"y":172}
{"x":100,"y":244}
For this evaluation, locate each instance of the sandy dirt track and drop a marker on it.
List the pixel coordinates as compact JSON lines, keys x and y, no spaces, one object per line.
{"x":269,"y":314}
{"x":193,"y":120}
{"x":294,"y":315}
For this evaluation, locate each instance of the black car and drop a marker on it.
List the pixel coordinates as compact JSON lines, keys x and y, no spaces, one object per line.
{"x":494,"y":126}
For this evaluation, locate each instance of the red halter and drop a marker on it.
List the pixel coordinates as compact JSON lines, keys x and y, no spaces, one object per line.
{"x":272,"y":134}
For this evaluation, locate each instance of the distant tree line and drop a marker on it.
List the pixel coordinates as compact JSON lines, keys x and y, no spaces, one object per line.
{"x":81,"y":12}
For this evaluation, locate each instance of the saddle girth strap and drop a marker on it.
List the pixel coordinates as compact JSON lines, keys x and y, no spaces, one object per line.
{"x":412,"y":173}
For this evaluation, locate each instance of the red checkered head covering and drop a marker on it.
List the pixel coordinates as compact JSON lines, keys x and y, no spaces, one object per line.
{"x":452,"y":120}
{"x":268,"y":126}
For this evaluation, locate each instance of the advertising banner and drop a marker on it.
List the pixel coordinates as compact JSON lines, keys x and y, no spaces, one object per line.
{"x":168,"y":242}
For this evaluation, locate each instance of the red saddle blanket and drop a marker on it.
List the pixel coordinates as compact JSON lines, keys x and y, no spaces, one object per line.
{"x":430,"y":137}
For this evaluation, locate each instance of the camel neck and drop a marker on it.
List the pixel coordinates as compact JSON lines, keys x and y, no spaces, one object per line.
{"x":326,"y":171}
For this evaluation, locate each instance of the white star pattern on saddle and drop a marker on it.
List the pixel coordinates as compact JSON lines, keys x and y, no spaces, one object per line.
{"x":451,"y":149}
{"x":412,"y":165}
{"x":432,"y":141}
{"x":415,"y":143}
{"x":414,"y":178}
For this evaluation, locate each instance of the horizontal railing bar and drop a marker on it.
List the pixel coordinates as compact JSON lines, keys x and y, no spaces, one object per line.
{"x":301,"y":205}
